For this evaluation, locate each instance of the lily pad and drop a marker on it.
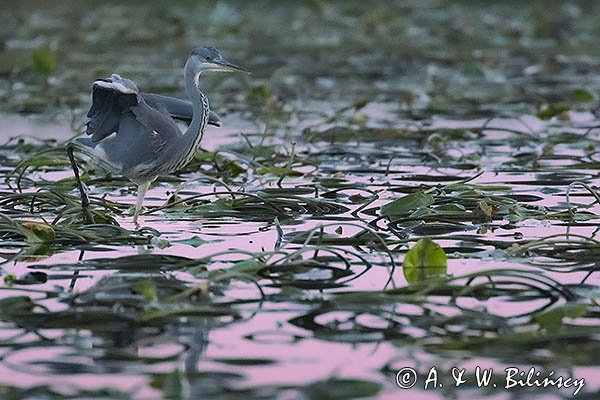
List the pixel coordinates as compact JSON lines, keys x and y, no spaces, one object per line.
{"x":406,"y":204}
{"x":425,"y":260}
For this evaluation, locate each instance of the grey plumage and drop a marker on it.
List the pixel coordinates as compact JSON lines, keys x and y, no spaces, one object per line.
{"x":178,"y":109}
{"x":135,"y":134}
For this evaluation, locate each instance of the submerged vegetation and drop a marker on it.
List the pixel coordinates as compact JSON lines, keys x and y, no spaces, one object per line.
{"x":408,"y":185}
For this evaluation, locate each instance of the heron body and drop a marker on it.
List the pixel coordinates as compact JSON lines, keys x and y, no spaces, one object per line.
{"x":134,"y":134}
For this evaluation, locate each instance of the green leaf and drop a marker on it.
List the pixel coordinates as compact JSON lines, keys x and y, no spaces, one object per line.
{"x":36,"y":232}
{"x":233,"y":168}
{"x":16,"y":306}
{"x":44,"y":61}
{"x":31,"y":278}
{"x":45,"y":161}
{"x":259,"y":92}
{"x":195,"y":241}
{"x":9,"y":279}
{"x":486,"y":208}
{"x":147,"y":288}
{"x":245,"y":269}
{"x":425,"y":260}
{"x":473,"y":69}
{"x":278,"y":171}
{"x":173,"y":386}
{"x":550,"y":110}
{"x":222,"y":204}
{"x":407,"y":203}
{"x":451,"y":208}
{"x":552,"y":320}
{"x":224,"y":164}
{"x":422,"y":212}
{"x":582,"y":95}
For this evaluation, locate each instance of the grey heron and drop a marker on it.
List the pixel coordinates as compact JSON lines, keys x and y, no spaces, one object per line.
{"x":134,"y":134}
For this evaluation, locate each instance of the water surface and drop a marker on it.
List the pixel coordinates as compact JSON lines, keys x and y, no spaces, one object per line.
{"x":267,"y":268}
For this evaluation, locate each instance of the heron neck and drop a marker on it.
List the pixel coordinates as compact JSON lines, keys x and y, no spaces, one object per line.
{"x":193,"y":134}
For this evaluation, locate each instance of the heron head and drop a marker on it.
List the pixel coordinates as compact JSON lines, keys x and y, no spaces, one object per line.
{"x":208,"y":58}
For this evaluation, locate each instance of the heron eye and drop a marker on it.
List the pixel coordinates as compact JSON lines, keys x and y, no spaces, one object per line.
{"x":207,"y":58}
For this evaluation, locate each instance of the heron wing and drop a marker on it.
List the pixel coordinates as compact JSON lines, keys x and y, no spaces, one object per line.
{"x":178,"y":109}
{"x":117,"y":98}
{"x":133,"y":148}
{"x":159,"y":122}
{"x":111,"y":97}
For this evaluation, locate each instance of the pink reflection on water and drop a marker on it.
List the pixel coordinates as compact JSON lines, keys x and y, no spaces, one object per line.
{"x":310,"y":359}
{"x":25,"y":376}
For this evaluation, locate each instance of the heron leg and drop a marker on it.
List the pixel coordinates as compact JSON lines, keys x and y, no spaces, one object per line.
{"x":142,"y":189}
{"x":85,"y":201}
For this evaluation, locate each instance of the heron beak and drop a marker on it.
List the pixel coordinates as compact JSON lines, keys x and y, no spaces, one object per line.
{"x":226,"y":66}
